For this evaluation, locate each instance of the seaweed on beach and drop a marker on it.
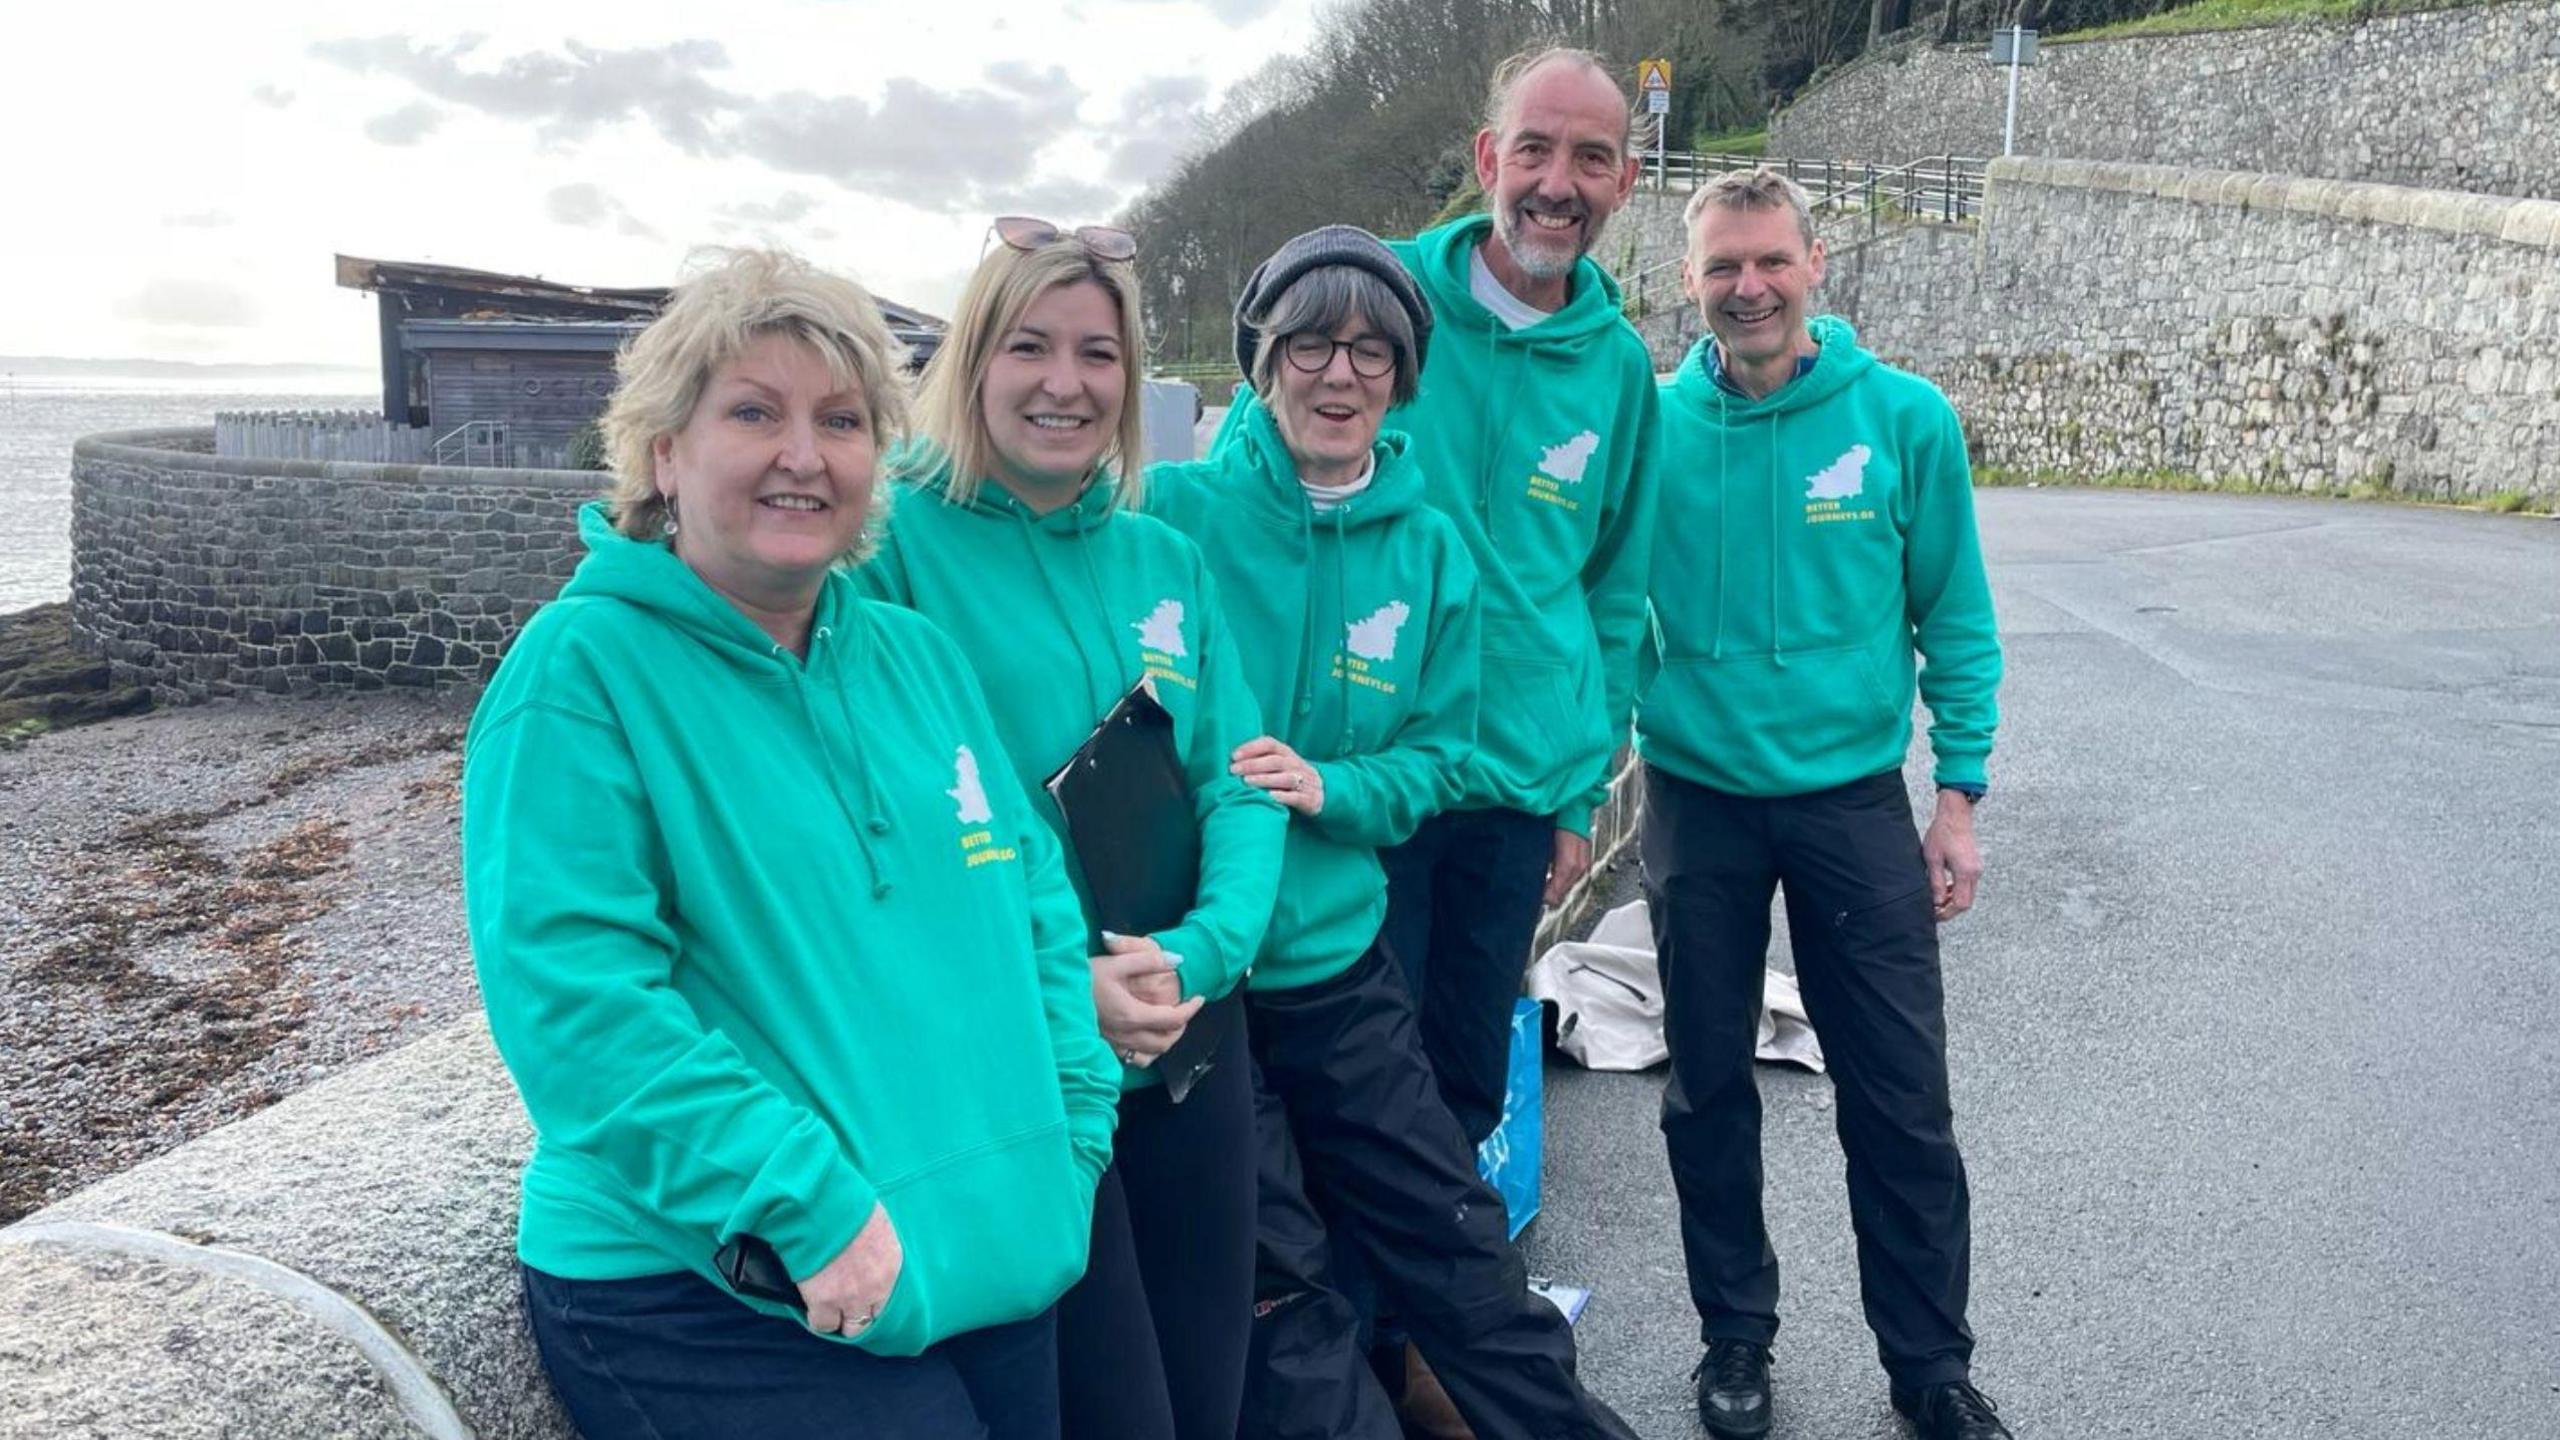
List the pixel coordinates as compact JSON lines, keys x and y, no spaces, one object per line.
{"x":176,"y":963}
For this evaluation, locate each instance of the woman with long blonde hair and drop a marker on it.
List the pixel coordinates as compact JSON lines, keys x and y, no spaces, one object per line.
{"x":1014,"y":532}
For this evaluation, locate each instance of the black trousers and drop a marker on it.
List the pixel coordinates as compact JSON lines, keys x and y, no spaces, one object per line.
{"x":1866,"y":951}
{"x":1463,"y":898}
{"x":1358,"y":1150}
{"x":1152,"y":1341}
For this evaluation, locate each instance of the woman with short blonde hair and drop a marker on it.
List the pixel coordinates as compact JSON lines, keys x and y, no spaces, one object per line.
{"x":714,"y":805}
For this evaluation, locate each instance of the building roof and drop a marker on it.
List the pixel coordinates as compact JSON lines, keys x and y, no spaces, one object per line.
{"x":451,"y":292}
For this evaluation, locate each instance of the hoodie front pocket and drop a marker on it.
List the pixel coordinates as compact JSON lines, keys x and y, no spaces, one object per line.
{"x":1535,"y":688}
{"x":992,"y":1235}
{"x":1763,"y":717}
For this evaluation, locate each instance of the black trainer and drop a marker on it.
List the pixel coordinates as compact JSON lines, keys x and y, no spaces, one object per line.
{"x":1733,"y":1389}
{"x":1954,"y":1411}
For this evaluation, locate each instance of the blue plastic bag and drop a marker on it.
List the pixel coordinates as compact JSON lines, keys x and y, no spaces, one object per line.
{"x":1508,"y":1158}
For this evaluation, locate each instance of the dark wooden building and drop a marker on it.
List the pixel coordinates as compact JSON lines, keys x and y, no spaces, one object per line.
{"x":510,"y":369}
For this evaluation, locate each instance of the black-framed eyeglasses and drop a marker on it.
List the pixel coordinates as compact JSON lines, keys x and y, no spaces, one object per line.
{"x":1029,"y":232}
{"x":1371,"y":357}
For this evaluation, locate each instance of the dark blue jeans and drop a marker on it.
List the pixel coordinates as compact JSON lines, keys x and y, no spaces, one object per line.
{"x":1463,"y":899}
{"x":674,"y":1357}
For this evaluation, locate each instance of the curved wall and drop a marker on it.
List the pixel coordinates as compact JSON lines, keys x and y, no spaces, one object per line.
{"x":200,"y":575}
{"x":2247,"y":330}
{"x":2465,"y":99}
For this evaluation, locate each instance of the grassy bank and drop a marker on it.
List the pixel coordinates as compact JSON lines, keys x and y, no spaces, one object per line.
{"x":2502,"y":502}
{"x":46,"y":683}
{"x":2251,"y":14}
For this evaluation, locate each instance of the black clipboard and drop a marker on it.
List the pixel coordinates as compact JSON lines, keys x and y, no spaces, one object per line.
{"x":1129,"y":819}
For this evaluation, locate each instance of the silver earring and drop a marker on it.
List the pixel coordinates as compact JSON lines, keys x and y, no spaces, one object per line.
{"x":671,"y":515}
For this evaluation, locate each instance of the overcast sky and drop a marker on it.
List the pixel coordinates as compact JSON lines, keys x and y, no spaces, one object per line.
{"x":177,"y":178}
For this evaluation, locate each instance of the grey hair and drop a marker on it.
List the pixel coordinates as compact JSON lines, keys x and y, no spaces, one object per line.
{"x":1758,"y":188}
{"x":1515,"y":71}
{"x":1321,"y":300}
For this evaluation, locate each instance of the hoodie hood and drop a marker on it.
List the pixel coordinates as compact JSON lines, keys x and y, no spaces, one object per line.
{"x":923,"y":465}
{"x":1836,"y":366}
{"x":1395,"y":481}
{"x":650,"y":575}
{"x":1441,"y":260}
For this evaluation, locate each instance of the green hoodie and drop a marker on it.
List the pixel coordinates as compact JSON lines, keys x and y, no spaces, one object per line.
{"x":1822,"y":532}
{"x":1537,"y":443}
{"x":765,"y":940}
{"x":1358,"y":630}
{"x":1062,"y":613}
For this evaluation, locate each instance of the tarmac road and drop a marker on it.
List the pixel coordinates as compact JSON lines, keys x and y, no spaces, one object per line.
{"x":2255,"y":1031}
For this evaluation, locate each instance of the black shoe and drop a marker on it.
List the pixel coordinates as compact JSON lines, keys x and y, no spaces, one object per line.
{"x":1953,"y":1411}
{"x":1733,"y":1389}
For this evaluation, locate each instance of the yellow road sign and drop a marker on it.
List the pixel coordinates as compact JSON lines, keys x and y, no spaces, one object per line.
{"x":1653,"y":75}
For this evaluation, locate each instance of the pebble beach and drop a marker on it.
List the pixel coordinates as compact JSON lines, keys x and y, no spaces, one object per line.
{"x":203,"y":910}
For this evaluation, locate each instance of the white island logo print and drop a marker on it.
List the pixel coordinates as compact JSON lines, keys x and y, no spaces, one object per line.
{"x":1162,"y":629}
{"x":1843,"y":479}
{"x":968,"y":790}
{"x":1375,"y":637}
{"x":1160,"y":647}
{"x":1372,"y":642}
{"x":1563,"y":465}
{"x":978,"y":840}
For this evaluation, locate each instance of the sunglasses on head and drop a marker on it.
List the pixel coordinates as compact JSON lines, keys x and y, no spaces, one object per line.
{"x":1102,"y":242}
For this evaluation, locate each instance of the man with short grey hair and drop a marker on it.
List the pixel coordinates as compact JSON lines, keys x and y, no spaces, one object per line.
{"x":1822,"y":506}
{"x":1535,"y":418}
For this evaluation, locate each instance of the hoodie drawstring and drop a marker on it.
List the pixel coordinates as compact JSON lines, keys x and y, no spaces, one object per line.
{"x":1058,"y":603}
{"x":870,"y":817}
{"x":1342,"y":613}
{"x":1724,"y":513}
{"x":1777,"y":617}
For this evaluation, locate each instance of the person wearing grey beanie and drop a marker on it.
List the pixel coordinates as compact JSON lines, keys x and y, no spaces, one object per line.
{"x":1354,"y":605}
{"x":1329,"y":245}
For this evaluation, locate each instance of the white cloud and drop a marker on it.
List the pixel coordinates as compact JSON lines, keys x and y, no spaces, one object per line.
{"x":405,"y":126}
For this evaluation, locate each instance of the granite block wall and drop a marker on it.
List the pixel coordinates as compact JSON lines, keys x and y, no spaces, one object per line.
{"x":202,"y":576}
{"x":2245,"y":330}
{"x":2460,"y":99}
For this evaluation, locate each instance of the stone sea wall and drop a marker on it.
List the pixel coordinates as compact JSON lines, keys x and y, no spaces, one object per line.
{"x":2460,"y":99}
{"x":2248,"y":330}
{"x":201,"y":576}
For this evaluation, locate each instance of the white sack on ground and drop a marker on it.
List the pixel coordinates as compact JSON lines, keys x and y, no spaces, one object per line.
{"x":1607,"y":992}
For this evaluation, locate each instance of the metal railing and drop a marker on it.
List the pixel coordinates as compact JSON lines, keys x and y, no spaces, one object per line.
{"x":1688,"y":169}
{"x":1940,"y":188}
{"x":474,"y":442}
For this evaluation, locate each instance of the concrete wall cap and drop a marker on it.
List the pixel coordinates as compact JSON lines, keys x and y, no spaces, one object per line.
{"x":174,"y":449}
{"x":2518,"y":221}
{"x":2533,"y":222}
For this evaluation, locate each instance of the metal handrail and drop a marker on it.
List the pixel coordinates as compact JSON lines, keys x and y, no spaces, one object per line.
{"x":1955,"y":181}
{"x":473,"y":437}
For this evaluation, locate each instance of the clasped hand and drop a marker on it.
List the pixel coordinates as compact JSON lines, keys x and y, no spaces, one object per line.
{"x":1137,"y":998}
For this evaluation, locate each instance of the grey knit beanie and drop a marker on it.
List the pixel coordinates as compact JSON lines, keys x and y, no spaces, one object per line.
{"x":1330,"y":245}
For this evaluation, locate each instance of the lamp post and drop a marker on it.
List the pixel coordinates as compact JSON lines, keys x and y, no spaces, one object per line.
{"x":2013,"y":47}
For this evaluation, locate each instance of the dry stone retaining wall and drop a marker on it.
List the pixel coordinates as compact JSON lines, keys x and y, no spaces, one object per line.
{"x":2243,"y":329}
{"x":201,"y":576}
{"x":2465,"y":99}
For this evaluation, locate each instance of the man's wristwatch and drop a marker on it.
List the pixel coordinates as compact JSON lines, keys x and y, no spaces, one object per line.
{"x":1973,"y":793}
